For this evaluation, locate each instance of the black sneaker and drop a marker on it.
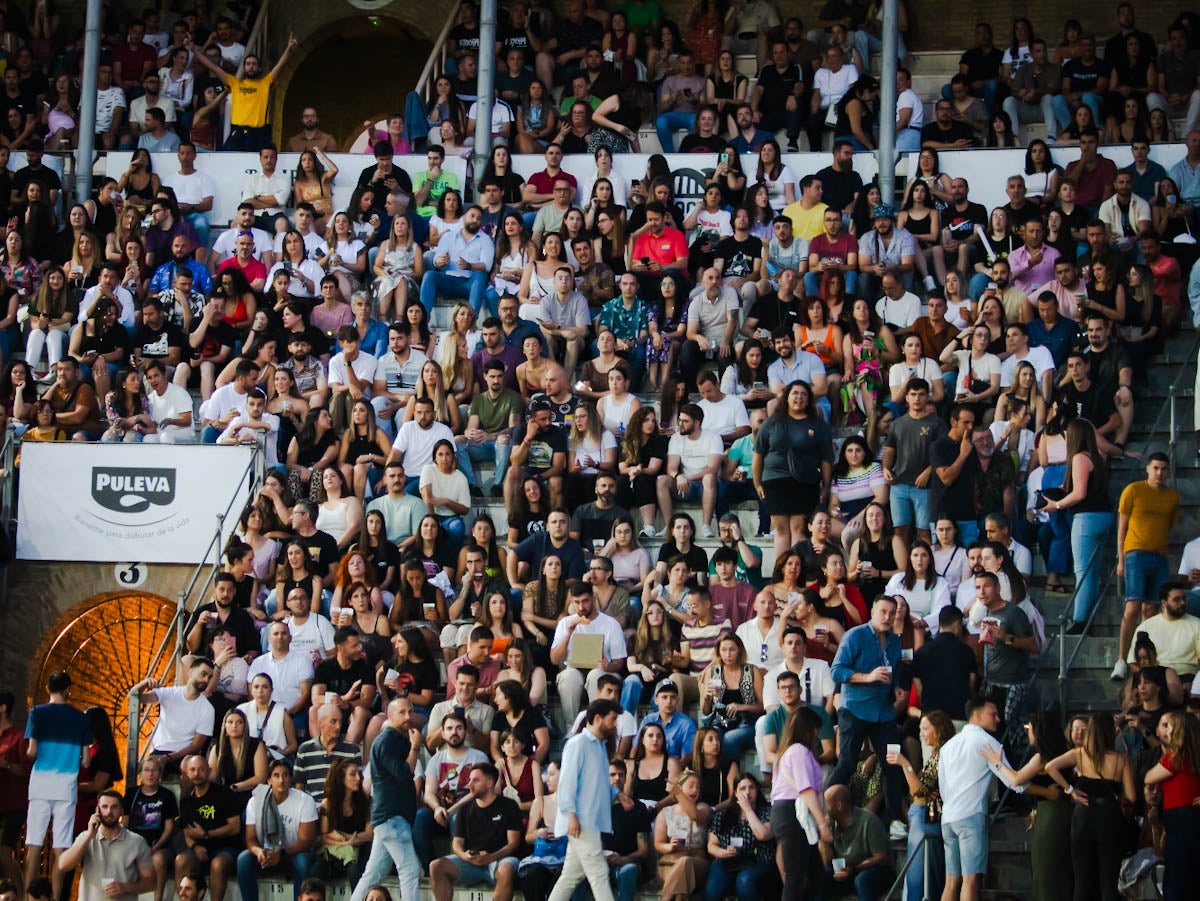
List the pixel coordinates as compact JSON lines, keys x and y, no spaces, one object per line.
{"x":476,"y":491}
{"x":1076,"y":628}
{"x":793,"y":147}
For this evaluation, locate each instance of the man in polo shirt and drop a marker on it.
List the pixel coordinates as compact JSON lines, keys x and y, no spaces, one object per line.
{"x":712,"y":324}
{"x":539,"y":188}
{"x":832,"y":249}
{"x":461,"y":264}
{"x":657,"y":251}
{"x":588,"y":619}
{"x":791,"y":365}
{"x":248,"y":129}
{"x":116,"y":863}
{"x":316,"y":756}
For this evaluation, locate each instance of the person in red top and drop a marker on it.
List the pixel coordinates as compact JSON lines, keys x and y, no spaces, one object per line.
{"x":14,"y":787}
{"x":658,"y":251}
{"x":832,"y":249}
{"x":1168,"y":280}
{"x":539,"y":189}
{"x":243,"y":259}
{"x":133,"y":59}
{"x":1178,"y":774}
{"x":1092,"y":173}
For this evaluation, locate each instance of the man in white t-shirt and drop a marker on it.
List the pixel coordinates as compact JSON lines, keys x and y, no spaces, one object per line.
{"x":185,"y":715}
{"x":291,"y":672}
{"x":292,"y":849}
{"x":910,"y":114}
{"x":587,"y":619}
{"x":724,"y":414}
{"x":503,"y":121}
{"x":226,"y":244}
{"x":897,"y":307}
{"x":312,"y":633}
{"x":245,"y":428}
{"x":170,"y":407}
{"x":415,"y":441}
{"x":693,"y":466}
{"x":194,"y":191}
{"x":1016,"y":342}
{"x":1189,"y":568}
{"x":351,"y":377}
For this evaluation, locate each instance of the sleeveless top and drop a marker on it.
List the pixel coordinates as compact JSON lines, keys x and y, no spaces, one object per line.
{"x":539,"y":286}
{"x":921,"y":226}
{"x":268,"y":726}
{"x":616,"y":415}
{"x":652,"y":789}
{"x":1096,"y":499}
{"x":824,"y":347}
{"x":361,"y":445}
{"x":333,"y":521}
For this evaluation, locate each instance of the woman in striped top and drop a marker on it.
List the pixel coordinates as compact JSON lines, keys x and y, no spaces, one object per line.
{"x":857,"y":480}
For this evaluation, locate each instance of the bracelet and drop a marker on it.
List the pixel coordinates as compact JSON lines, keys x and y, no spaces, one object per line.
{"x":1069,"y":790}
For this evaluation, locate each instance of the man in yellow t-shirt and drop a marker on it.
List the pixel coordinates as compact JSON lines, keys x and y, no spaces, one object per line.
{"x":249,"y":128}
{"x":807,"y":213}
{"x":1145,"y":514}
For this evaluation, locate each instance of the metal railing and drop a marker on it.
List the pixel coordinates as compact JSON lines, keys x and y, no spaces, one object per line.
{"x":908,"y":860}
{"x":257,"y":42}
{"x":436,"y":64}
{"x":172,"y":645}
{"x":1066,"y":660}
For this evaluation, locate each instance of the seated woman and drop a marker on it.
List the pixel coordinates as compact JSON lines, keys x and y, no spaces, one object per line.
{"x":339,"y":512}
{"x":520,"y":668}
{"x":731,"y":696}
{"x":630,"y":562}
{"x":718,"y":773}
{"x":919,"y":585}
{"x":354,"y":568}
{"x":520,"y":774}
{"x":681,"y":840}
{"x":346,"y":832}
{"x":419,"y":604}
{"x":675,"y":594}
{"x":409,"y":673}
{"x":445,"y":491}
{"x":651,"y":769}
{"x":591,"y":450}
{"x":100,"y":344}
{"x":519,"y":718}
{"x":874,"y":555}
{"x":268,"y":720}
{"x":127,"y":410}
{"x":314,"y":449}
{"x":496,"y":614}
{"x":741,"y":844}
{"x":363,"y":450}
{"x":238,"y":760}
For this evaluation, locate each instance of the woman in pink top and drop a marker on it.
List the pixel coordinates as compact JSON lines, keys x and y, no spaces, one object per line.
{"x":797,"y":778}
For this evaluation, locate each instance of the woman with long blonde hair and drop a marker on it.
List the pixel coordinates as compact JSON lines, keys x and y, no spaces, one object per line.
{"x":453,"y":355}
{"x":432,"y":384}
{"x":399,"y":267}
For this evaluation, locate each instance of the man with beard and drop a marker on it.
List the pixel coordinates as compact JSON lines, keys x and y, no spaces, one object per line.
{"x":345,"y":680}
{"x":181,"y":258}
{"x":222,"y":612}
{"x":954,"y":465}
{"x":884,"y":248}
{"x":1032,"y":264}
{"x":185,"y":718}
{"x":461,"y":264}
{"x":790,"y":366}
{"x":210,"y":820}
{"x":249,"y":129}
{"x":492,"y":416}
{"x":161,"y":340}
{"x":1014,"y":300}
{"x":657,"y":251}
{"x":959,"y":237}
{"x":446,"y":778}
{"x":739,"y":259}
{"x":995,"y":484}
{"x":591,"y":524}
{"x":116,"y":863}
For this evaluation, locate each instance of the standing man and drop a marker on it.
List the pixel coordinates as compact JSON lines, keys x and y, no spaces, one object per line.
{"x":185,"y":715}
{"x":393,"y":806}
{"x":907,"y":461}
{"x":14,"y":787}
{"x":248,"y":97}
{"x":1145,"y":514}
{"x":1007,"y":630}
{"x":115,"y":863}
{"x":966,"y":765}
{"x":865,"y":662}
{"x":56,"y":734}
{"x":584,"y":804}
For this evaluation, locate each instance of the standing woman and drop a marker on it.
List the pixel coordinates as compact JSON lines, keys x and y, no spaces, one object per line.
{"x":876,"y":554}
{"x":1085,"y":494}
{"x":1178,"y":773}
{"x":793,"y":464}
{"x":925,"y":812}
{"x":1103,"y":779}
{"x":798,"y":777}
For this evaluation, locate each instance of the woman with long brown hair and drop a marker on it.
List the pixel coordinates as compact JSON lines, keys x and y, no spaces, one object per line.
{"x":346,"y":832}
{"x":1177,"y":775}
{"x":238,"y":760}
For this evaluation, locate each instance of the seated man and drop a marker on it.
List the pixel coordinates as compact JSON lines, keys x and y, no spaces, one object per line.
{"x":288,"y":847}
{"x":712,"y":320}
{"x":587,"y":619}
{"x":210,"y":819}
{"x":478,"y":715}
{"x":679,"y":728}
{"x":693,"y":467}
{"x":316,"y":756}
{"x":525,"y":561}
{"x":493,"y":414}
{"x":627,"y":316}
{"x":860,"y":846}
{"x":541,"y":455}
{"x":487,"y":838}
{"x":564,"y":318}
{"x":447,"y":780}
{"x":657,"y":251}
{"x":478,"y":655}
{"x":185,"y":722}
{"x":461,"y":263}
{"x":346,"y":681}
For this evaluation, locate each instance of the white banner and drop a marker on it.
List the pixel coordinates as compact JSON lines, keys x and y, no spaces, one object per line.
{"x":111,"y":503}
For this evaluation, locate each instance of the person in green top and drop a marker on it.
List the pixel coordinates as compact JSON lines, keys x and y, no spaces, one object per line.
{"x":860,"y":847}
{"x":791,"y":699}
{"x":642,"y":15}
{"x":430,"y":185}
{"x":493,"y":414}
{"x":749,"y":556}
{"x":628,"y":317}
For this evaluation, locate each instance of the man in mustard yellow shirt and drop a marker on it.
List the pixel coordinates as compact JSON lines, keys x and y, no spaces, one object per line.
{"x":249,"y":95}
{"x":1145,"y":514}
{"x":807,"y":213}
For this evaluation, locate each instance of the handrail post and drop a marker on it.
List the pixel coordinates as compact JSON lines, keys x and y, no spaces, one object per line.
{"x":135,"y":728}
{"x":1172,"y":430}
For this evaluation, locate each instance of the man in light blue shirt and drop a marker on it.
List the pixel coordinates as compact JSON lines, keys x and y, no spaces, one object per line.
{"x":679,"y":729}
{"x":1186,"y":173}
{"x":585,"y":804}
{"x":461,"y":264}
{"x":792,"y":365}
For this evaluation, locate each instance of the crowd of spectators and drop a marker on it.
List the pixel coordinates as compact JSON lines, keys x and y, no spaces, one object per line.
{"x":913,"y":401}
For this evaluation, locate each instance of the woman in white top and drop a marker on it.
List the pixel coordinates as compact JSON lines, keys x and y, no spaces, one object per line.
{"x":178,"y":82}
{"x":960,"y":309}
{"x":1041,"y":173}
{"x":538,"y":279}
{"x":779,"y":179}
{"x":398,"y":269}
{"x":340,"y":512}
{"x":347,"y":258}
{"x":514,"y":251}
{"x":631,"y":563}
{"x":591,"y":450}
{"x":448,"y":218}
{"x":269,"y":720}
{"x":618,"y":405}
{"x":978,"y":382}
{"x":949,"y":556}
{"x":604,"y":169}
{"x":920,"y":586}
{"x":305,"y":274}
{"x":915,"y":366}
{"x":445,"y":491}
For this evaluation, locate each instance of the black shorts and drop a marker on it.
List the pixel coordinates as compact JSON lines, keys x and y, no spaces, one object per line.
{"x":10,"y":828}
{"x":787,"y":497}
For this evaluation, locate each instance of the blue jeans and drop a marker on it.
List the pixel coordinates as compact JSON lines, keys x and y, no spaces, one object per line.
{"x":869,"y":884}
{"x":914,"y":879}
{"x":968,"y":531}
{"x":248,"y":872}
{"x":854,"y":732}
{"x":473,"y":289}
{"x":1062,"y":110}
{"x":866,"y":44}
{"x":908,"y":140}
{"x":1145,"y":572}
{"x":668,"y":123}
{"x":977,"y":284}
{"x":626,"y":878}
{"x":743,"y":884}
{"x":424,"y":827}
{"x":812,"y":283}
{"x":468,"y":453}
{"x":456,"y":531}
{"x":632,"y":692}
{"x":391,"y":846}
{"x":737,"y":741}
{"x":1088,"y":531}
{"x":1055,"y":536}
{"x":209,"y":435}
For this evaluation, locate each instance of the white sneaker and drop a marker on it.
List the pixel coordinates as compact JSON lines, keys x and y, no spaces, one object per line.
{"x":1120,"y":671}
{"x":648,"y":532}
{"x":706,"y":531}
{"x":930,"y":283}
{"x":897,"y":831}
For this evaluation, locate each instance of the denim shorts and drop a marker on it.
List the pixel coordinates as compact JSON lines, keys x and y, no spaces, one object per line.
{"x":473,"y":874}
{"x":1145,"y":573}
{"x":966,"y":844}
{"x":909,"y":505}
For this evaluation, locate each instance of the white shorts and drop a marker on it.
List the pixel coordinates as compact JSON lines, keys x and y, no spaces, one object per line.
{"x":40,"y":814}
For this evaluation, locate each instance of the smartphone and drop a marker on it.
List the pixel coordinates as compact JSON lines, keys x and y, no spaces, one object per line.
{"x":645,"y":261}
{"x":287,"y":265}
{"x":722,"y":158}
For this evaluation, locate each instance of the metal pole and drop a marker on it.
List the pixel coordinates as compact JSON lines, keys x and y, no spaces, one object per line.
{"x":886,"y":155}
{"x":87,"y":102}
{"x":486,"y":87}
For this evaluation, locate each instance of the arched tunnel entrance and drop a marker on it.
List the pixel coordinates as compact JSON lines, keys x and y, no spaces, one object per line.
{"x":377,"y":57}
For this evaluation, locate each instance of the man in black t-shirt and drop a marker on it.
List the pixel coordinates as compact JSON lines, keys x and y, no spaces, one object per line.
{"x":629,"y":841}
{"x":35,"y":171}
{"x":487,"y":837}
{"x":739,"y":258}
{"x":981,"y":67}
{"x":1085,"y":79}
{"x":945,"y":132}
{"x":777,"y":94}
{"x":562,"y":55}
{"x":157,"y":338}
{"x":321,"y":547}
{"x":222,"y":613}
{"x":347,"y":675}
{"x":771,"y":310}
{"x":954,"y":466}
{"x":944,"y":669}
{"x":210,"y":820}
{"x":959,"y":237}
{"x":1081,"y":398}
{"x":520,"y":32}
{"x":1110,"y":367}
{"x":840,"y":184}
{"x":591,"y":524}
{"x":541,"y":454}
{"x":464,"y":37}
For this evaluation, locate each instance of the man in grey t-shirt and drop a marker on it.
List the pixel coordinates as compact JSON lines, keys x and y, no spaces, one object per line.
{"x":1009,"y":642}
{"x":907,"y":464}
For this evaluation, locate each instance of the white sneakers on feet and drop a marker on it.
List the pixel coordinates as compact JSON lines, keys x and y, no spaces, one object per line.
{"x":930,"y":283}
{"x":1120,"y":671}
{"x":706,"y":531}
{"x":897,"y":831}
{"x":648,"y":532}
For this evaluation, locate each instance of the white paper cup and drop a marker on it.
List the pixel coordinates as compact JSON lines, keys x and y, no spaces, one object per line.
{"x":893,"y":749}
{"x":331,"y":697}
{"x":839,"y":864}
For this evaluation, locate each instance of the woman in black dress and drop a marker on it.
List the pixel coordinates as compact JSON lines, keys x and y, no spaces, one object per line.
{"x":642,"y":457}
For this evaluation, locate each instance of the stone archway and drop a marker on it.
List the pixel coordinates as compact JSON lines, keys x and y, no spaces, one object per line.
{"x":106,"y":644}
